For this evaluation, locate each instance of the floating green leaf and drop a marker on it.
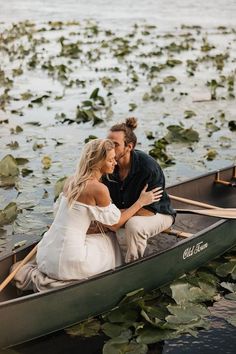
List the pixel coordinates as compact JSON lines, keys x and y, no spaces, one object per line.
{"x":8,"y":166}
{"x":122,"y":346}
{"x":211,"y":154}
{"x":226,"y":269}
{"x":183,"y":292}
{"x":150,"y":136}
{"x":123,"y":314}
{"x":169,"y":79}
{"x":13,"y":145}
{"x":232,"y":320}
{"x":88,"y":328}
{"x":189,"y":114}
{"x":232,"y":125}
{"x":132,"y":107}
{"x":229,"y":286}
{"x":186,"y":310}
{"x":46,"y":162}
{"x":90,"y":137}
{"x":132,"y":296}
{"x":8,"y":214}
{"x":26,"y":171}
{"x":149,"y":335}
{"x":21,"y":161}
{"x":59,"y":187}
{"x":231,"y":296}
{"x":113,"y":330}
{"x":40,"y":99}
{"x":179,"y":134}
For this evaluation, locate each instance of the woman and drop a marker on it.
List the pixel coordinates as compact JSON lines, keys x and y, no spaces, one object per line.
{"x":66,"y":252}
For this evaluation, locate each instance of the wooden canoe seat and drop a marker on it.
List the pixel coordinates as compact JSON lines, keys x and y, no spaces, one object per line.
{"x":177,"y":233}
{"x":231,"y":183}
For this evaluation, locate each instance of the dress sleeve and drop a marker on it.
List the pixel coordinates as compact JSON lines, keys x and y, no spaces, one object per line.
{"x":109,"y":215}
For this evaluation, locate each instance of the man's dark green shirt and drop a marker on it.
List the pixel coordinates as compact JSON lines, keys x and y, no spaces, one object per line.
{"x":144,"y":170}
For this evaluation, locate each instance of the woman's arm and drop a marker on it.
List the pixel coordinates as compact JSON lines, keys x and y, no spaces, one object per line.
{"x":145,"y":198}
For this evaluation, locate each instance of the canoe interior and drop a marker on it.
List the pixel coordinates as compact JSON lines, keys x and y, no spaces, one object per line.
{"x":203,"y":189}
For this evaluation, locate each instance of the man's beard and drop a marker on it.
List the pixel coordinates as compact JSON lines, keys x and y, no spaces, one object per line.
{"x":121,"y":155}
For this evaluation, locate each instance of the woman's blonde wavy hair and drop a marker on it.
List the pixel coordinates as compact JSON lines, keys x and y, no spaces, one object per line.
{"x":92,"y":155}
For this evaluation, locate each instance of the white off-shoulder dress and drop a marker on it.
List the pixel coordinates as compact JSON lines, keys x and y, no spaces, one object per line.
{"x":67,"y":253}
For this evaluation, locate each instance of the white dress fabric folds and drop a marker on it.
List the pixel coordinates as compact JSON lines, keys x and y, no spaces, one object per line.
{"x":67,"y":253}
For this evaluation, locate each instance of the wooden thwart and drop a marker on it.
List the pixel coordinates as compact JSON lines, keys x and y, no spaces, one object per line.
{"x":231,"y":183}
{"x":178,"y":233}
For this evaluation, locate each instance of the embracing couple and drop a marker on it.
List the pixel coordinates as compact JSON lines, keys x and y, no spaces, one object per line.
{"x":115,"y":186}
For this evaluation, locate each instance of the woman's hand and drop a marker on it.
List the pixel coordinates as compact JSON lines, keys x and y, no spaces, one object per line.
{"x":150,"y":197}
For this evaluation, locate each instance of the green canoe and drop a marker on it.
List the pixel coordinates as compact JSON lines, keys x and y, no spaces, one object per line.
{"x":24,"y":317}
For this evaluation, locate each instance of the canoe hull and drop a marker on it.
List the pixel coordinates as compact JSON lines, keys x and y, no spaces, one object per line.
{"x":36,"y":315}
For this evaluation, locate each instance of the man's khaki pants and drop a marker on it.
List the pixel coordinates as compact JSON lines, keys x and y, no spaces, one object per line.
{"x":137,"y":230}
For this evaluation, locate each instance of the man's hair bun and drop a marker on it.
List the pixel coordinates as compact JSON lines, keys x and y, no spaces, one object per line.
{"x":131,"y":123}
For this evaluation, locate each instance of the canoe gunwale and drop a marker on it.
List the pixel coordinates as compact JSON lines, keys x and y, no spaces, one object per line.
{"x":116,"y":270}
{"x":204,"y":175}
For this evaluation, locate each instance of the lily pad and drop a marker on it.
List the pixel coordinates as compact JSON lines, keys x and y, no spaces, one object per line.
{"x":150,"y":135}
{"x":125,"y":314}
{"x":149,"y":335}
{"x":226,"y":269}
{"x":169,"y":79}
{"x":59,"y":187}
{"x":231,"y":296}
{"x":211,"y":154}
{"x":189,"y":327}
{"x":229,"y":286}
{"x":183,"y":292}
{"x":179,"y":134}
{"x":46,"y":162}
{"x":232,"y":125}
{"x":8,"y":166}
{"x":26,"y":171}
{"x":13,"y":145}
{"x":40,"y":99}
{"x":21,"y":161}
{"x":123,"y":346}
{"x":2,"y":242}
{"x":90,"y":137}
{"x":189,"y":114}
{"x":88,"y":328}
{"x":113,"y":330}
{"x":8,"y":181}
{"x":8,"y":214}
{"x":232,"y":320}
{"x":188,"y":309}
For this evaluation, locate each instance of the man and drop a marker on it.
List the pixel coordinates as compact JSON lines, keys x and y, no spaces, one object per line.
{"x":133,"y":171}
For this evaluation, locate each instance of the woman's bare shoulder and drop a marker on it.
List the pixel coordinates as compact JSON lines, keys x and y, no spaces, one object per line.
{"x":101,"y":194}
